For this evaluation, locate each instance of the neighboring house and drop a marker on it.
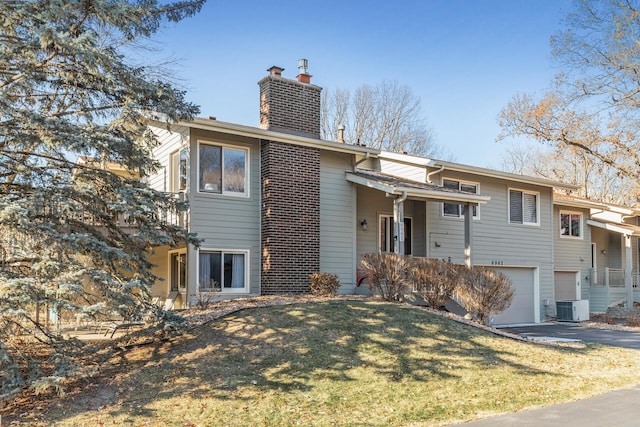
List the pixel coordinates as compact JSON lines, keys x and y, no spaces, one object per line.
{"x":596,"y":252}
{"x":276,"y":203}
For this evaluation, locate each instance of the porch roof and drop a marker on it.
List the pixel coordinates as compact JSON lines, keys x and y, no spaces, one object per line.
{"x":616,"y":227}
{"x":390,"y":184}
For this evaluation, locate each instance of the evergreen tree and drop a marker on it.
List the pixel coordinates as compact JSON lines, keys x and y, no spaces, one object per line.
{"x":74,"y":152}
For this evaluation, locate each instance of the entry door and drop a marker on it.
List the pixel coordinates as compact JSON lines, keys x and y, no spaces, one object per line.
{"x":567,"y":285}
{"x":387,"y":238}
{"x":178,"y":274}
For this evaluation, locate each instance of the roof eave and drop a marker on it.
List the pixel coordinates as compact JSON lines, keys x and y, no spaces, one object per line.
{"x":433,"y":195}
{"x":626,"y":229}
{"x":254,"y":132}
{"x":503,"y":175}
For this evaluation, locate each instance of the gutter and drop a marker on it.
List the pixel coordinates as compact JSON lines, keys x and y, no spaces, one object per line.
{"x":366,"y":157}
{"x":433,"y":173}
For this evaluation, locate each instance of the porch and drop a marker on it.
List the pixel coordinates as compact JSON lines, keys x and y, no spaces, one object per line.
{"x":609,"y":288}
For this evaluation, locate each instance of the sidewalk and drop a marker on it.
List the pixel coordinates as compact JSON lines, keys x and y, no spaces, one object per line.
{"x":618,"y":408}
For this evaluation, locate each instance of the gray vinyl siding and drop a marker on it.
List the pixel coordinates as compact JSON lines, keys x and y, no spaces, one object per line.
{"x":337,"y":219}
{"x":496,"y":242}
{"x":370,"y":204}
{"x":227,"y":222}
{"x":572,"y":254}
{"x":169,"y":142}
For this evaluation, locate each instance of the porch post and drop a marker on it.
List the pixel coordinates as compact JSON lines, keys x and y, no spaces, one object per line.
{"x":398,"y":223}
{"x":628,"y":280}
{"x":468,"y":224}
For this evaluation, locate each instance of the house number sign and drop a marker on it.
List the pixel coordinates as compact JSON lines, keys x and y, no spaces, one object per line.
{"x":496,"y":262}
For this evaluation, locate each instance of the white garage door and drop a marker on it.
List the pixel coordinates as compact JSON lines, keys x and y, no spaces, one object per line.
{"x":522,"y":309}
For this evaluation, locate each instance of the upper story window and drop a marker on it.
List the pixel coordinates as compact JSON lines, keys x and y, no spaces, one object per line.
{"x":570,"y":224}
{"x":223,"y":170}
{"x":453,"y":209}
{"x":179,"y":170}
{"x":523,"y":207}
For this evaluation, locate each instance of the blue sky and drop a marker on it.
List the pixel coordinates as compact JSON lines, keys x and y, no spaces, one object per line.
{"x":464,"y":59}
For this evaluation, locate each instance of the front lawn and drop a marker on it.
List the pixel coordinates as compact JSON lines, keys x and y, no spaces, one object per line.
{"x":335,"y":363}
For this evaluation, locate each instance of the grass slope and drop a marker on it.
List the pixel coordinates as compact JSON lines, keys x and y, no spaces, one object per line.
{"x":338,"y":363}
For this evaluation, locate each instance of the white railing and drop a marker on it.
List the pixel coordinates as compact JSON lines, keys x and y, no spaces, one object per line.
{"x":614,"y":277}
{"x":125,"y":220}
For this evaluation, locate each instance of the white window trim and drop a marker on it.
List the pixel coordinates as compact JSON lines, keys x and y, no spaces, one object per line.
{"x":174,"y":172}
{"x":246,"y":170}
{"x":387,"y":215}
{"x":580,"y":237}
{"x":535,"y":193}
{"x":170,"y":269}
{"x":247,"y":258}
{"x":462,"y":206}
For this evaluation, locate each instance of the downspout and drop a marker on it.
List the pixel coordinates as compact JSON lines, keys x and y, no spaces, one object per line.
{"x":398,"y":222}
{"x":433,"y":173}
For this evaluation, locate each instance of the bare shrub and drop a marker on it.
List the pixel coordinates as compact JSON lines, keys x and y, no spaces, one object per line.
{"x":203,"y":301}
{"x":433,"y":279}
{"x":484,"y":292}
{"x":633,"y":318}
{"x":324,"y":284}
{"x":604,"y":318}
{"x":387,"y":274}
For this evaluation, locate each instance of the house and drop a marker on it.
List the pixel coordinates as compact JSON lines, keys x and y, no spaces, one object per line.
{"x":275,"y":203}
{"x":596,"y":252}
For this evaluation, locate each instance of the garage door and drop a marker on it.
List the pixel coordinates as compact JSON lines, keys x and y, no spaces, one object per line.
{"x":522,"y":309}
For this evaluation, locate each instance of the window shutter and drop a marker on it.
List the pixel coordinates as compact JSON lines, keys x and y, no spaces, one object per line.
{"x":515,"y":206}
{"x":530,"y":208}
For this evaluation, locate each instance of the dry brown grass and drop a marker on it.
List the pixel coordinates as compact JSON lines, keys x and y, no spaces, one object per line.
{"x":333,"y":362}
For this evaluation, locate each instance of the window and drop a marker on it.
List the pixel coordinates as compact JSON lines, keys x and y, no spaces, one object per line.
{"x":222,"y":170}
{"x":570,"y":224}
{"x":523,"y":207}
{"x":179,"y":166}
{"x":453,"y":209}
{"x":222,"y":271}
{"x":387,"y":240}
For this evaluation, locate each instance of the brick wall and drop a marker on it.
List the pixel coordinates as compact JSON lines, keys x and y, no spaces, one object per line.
{"x":289,"y":106}
{"x":290,"y":217}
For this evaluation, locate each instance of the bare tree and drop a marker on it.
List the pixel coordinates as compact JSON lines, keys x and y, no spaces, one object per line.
{"x":597,"y":180}
{"x":593,"y":106}
{"x":387,"y":116}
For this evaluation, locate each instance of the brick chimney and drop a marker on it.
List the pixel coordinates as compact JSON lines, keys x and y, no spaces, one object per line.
{"x":290,"y":106}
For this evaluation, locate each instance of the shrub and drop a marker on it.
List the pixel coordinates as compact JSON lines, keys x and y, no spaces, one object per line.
{"x":387,"y":274}
{"x":433,"y":279}
{"x":324,"y":284}
{"x":633,"y":318}
{"x":203,"y":301}
{"x":484,"y":292}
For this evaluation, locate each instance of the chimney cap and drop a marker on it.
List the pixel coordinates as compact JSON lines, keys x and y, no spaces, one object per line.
{"x":303,"y":65}
{"x":274,"y":70}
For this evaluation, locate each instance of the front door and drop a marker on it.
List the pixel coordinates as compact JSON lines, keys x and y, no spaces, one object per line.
{"x":387,"y":238}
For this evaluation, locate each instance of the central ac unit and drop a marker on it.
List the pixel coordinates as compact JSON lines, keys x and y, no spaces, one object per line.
{"x":572,"y":311}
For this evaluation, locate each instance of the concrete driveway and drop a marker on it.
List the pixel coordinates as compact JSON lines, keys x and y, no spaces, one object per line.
{"x":628,"y":339}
